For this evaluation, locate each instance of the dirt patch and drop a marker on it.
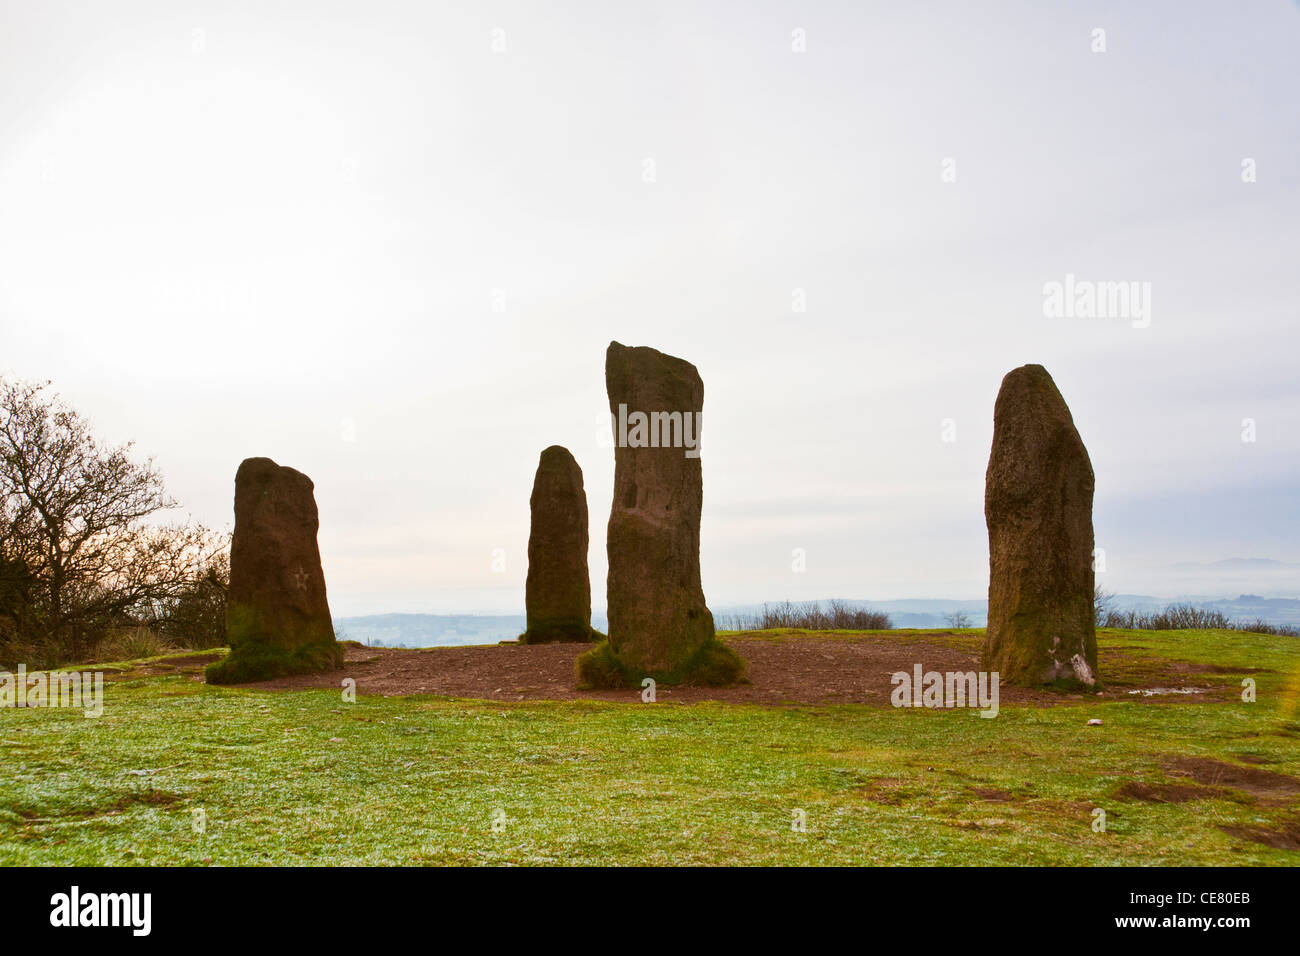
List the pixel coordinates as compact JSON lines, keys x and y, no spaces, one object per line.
{"x":1287,"y":837}
{"x":798,"y":669}
{"x":1131,"y":675}
{"x":184,"y":665}
{"x":149,"y":797}
{"x":1168,"y":792}
{"x":993,"y":794}
{"x":988,"y":823}
{"x":1192,"y":668}
{"x":1266,"y":784}
{"x":886,"y":791}
{"x":1072,"y":809}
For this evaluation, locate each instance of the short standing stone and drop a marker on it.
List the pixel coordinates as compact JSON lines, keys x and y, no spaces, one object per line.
{"x":558,"y":591}
{"x":659,"y":623}
{"x":277,"y":615}
{"x":1038,"y":505}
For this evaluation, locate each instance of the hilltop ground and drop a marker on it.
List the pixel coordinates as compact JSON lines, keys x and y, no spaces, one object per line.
{"x":510,"y":764}
{"x":785,"y":666}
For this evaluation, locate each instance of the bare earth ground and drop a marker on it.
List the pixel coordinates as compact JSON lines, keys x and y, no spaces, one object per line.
{"x":800,"y":669}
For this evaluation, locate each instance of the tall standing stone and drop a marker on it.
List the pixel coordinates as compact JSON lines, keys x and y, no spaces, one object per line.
{"x":558,"y":592}
{"x":1038,"y":505}
{"x":277,"y":615}
{"x":659,"y":624}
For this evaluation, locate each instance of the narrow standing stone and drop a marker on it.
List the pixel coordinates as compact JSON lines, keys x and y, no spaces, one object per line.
{"x":277,"y":615}
{"x":659,"y":624}
{"x":1038,"y":505}
{"x":558,"y":591}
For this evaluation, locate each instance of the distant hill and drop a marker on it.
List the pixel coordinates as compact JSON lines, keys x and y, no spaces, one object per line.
{"x":1236,"y":564}
{"x":919,"y":612}
{"x":429,"y":630}
{"x":1249,"y":607}
{"x":435,"y":630}
{"x":441,"y":630}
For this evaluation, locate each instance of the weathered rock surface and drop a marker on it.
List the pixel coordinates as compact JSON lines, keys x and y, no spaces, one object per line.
{"x":558,"y":590}
{"x":277,"y":615}
{"x":1038,"y":506}
{"x":659,"y":623}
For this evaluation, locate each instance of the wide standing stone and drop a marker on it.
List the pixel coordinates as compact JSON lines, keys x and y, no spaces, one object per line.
{"x":659,"y":624}
{"x":277,"y":615}
{"x":558,"y":591}
{"x":1038,"y":505}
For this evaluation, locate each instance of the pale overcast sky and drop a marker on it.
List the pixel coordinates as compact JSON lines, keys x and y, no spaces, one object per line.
{"x":388,"y":243}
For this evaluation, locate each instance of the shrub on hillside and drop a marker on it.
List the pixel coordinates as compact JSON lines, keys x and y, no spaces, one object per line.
{"x":133,"y":643}
{"x":1187,"y":617}
{"x":811,"y":616}
{"x":196,"y":616}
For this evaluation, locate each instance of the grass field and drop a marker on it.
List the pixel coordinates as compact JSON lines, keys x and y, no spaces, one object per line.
{"x":305,"y":778}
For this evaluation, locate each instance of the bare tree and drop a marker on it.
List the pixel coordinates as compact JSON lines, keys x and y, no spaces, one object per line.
{"x":195,"y":616}
{"x":16,"y":586}
{"x":957,"y":619}
{"x":74,"y":516}
{"x":1101,"y":603}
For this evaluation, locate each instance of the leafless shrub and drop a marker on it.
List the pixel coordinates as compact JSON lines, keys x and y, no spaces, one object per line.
{"x":810,"y":616}
{"x":133,"y":643}
{"x":1187,"y":617}
{"x":195,"y":616}
{"x":1101,"y":604}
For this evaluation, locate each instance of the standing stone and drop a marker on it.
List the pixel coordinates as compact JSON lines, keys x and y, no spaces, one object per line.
{"x":558,"y":592}
{"x":1038,"y":505}
{"x":277,"y":616}
{"x":659,"y":624}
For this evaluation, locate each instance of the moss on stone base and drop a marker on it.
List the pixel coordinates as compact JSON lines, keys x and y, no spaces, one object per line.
{"x":567,"y":630}
{"x":1072,"y":685}
{"x":258,"y":660}
{"x":599,"y":669}
{"x":713,"y":665}
{"x":263,"y":647}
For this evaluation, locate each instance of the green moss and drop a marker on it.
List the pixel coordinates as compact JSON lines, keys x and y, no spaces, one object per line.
{"x":263,"y":648}
{"x":560,"y":630}
{"x":1072,"y":685}
{"x":713,"y":665}
{"x":599,"y":669}
{"x":260,"y":660}
{"x":248,"y":624}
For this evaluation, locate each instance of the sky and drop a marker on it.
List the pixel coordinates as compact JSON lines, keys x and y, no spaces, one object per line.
{"x":388,"y":243}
